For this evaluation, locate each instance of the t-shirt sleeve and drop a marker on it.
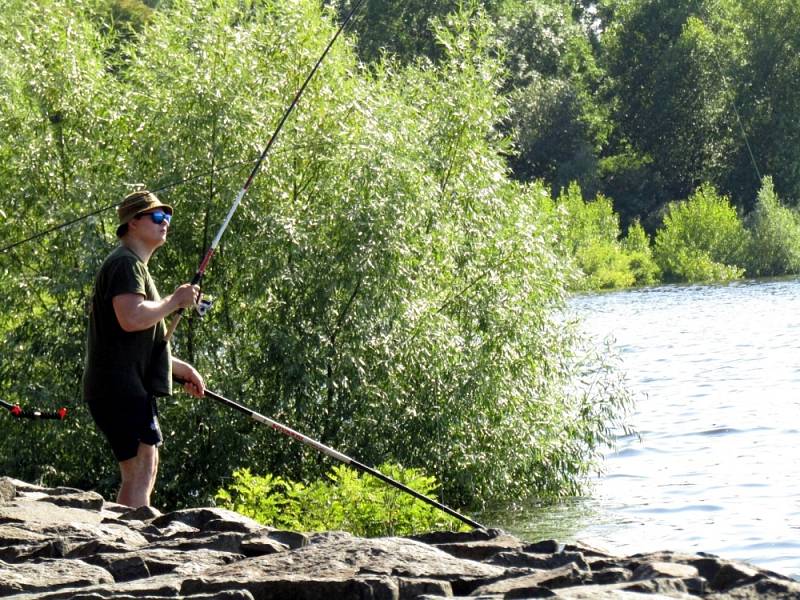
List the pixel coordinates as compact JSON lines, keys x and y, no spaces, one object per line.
{"x":125,"y":276}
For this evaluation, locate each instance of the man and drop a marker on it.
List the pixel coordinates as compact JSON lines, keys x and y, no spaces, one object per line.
{"x":128,"y":363}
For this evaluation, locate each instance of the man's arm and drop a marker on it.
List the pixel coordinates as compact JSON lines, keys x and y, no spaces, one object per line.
{"x":134,"y":313}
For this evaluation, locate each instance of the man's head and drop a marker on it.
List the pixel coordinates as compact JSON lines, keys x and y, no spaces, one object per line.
{"x":136,"y":204}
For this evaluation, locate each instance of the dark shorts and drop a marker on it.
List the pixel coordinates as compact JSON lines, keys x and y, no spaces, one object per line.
{"x":126,"y":423}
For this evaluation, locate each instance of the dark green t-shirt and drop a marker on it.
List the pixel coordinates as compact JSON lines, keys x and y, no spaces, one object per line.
{"x":122,"y":364}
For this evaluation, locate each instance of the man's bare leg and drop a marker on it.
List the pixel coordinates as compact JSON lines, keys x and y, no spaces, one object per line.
{"x":138,"y":477}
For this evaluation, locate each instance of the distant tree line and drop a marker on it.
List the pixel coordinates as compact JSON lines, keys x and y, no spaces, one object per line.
{"x":642,"y":101}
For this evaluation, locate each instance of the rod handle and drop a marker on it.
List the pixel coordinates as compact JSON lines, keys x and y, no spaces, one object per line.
{"x":174,"y":324}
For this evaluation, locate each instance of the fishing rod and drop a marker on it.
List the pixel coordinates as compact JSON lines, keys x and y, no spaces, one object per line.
{"x":198,"y":276}
{"x":336,"y":454}
{"x":21,"y":413}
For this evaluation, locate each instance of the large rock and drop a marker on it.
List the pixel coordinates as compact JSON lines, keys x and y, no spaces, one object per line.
{"x":48,"y":575}
{"x":67,"y":544}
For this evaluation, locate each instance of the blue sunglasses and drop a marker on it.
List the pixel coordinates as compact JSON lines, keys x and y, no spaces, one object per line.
{"x":158,"y":217}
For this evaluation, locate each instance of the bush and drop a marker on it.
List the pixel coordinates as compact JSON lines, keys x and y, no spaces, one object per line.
{"x":775,"y":235}
{"x":347,"y":501}
{"x":641,"y":264}
{"x":384,"y":286}
{"x":605,"y":266}
{"x":590,"y":233}
{"x":702,"y":239}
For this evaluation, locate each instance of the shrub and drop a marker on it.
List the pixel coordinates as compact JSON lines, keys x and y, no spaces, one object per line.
{"x":775,"y":235}
{"x":702,"y":239}
{"x":590,"y":235}
{"x":605,"y":265}
{"x":347,"y":501}
{"x":641,"y":264}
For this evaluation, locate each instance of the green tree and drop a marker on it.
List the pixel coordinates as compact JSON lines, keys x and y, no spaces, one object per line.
{"x":404,"y":30}
{"x":637,"y":246}
{"x":557,"y":125}
{"x":765,"y":80}
{"x":384,"y":286}
{"x":58,"y":106}
{"x":590,"y":232}
{"x":674,"y":114}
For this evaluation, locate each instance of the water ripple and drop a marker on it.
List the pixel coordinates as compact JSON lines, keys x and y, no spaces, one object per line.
{"x":716,"y":371}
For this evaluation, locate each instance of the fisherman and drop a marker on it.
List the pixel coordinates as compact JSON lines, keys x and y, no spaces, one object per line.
{"x":128,"y":361}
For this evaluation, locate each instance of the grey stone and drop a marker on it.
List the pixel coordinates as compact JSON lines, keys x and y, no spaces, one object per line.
{"x":292,"y":539}
{"x":143,"y":513}
{"x":144,"y":563}
{"x":457,"y":537}
{"x":731,"y":574}
{"x":258,"y":545}
{"x":538,"y":561}
{"x":664,"y":569}
{"x":49,"y":574}
{"x":62,"y":543}
{"x":223,"y":542}
{"x":175,"y":529}
{"x":536,"y":583}
{"x":154,"y":587}
{"x":412,"y":588}
{"x":200,"y":517}
{"x":543,"y":547}
{"x":302,"y":586}
{"x":226,"y":525}
{"x":482,"y":549}
{"x":614,"y":593}
{"x":8,"y":490}
{"x":75,"y":499}
{"x":610,"y":575}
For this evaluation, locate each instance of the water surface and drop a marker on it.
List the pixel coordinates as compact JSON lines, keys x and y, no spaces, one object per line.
{"x":716,"y":373}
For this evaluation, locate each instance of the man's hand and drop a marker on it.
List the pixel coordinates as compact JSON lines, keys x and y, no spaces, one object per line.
{"x":185,"y":296}
{"x":193,"y":383}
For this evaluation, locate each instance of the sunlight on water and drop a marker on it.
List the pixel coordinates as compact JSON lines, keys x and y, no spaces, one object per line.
{"x":716,"y":371}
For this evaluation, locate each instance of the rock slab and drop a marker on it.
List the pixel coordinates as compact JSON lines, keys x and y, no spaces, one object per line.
{"x":62,"y":543}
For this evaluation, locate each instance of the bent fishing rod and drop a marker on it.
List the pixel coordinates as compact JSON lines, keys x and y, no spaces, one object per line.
{"x":198,"y":276}
{"x":17,"y":411}
{"x":337,"y":455}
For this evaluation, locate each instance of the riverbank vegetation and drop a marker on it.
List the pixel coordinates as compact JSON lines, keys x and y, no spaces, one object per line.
{"x":385,"y":287}
{"x":343,"y":500}
{"x":394,"y":282}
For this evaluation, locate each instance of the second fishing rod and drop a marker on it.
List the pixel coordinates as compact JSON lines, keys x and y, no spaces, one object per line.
{"x":198,"y":276}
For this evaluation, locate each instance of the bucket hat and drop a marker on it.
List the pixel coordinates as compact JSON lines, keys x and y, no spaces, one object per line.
{"x":135,"y":204}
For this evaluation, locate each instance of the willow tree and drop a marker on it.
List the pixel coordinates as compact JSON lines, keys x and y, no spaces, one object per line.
{"x":384,"y":287}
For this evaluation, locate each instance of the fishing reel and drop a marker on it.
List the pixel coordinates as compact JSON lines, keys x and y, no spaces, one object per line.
{"x":203,"y":305}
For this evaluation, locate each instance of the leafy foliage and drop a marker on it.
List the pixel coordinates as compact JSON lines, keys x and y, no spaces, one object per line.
{"x":384,"y":287}
{"x":637,"y":247}
{"x":703,"y":239}
{"x":775,"y":241}
{"x":591,"y":233}
{"x":344,"y":501}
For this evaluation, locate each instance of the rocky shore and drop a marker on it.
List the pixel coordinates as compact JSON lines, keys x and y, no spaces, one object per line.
{"x":63,"y":543}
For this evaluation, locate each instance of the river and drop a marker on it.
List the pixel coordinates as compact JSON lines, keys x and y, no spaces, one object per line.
{"x":716,"y":373}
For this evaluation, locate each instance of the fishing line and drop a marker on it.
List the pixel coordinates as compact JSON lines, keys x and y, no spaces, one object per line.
{"x":88,"y":215}
{"x":162,"y":188}
{"x":198,"y":276}
{"x":706,"y":21}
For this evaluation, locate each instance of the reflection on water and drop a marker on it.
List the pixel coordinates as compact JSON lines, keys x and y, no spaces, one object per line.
{"x":716,"y":370}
